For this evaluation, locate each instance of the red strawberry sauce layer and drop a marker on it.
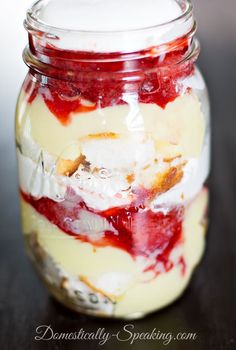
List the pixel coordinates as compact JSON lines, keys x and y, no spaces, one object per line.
{"x":137,"y":231}
{"x":67,"y":78}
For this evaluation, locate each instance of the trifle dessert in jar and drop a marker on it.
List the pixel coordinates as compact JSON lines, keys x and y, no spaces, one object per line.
{"x":113,"y":140}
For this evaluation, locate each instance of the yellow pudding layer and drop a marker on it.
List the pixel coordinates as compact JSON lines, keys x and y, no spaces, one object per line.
{"x":177,"y":129}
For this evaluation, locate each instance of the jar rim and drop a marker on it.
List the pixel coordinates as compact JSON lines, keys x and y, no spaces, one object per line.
{"x":37,"y":24}
{"x":105,"y":41}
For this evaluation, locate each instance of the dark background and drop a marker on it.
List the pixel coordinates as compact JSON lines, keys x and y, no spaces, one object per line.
{"x":209,"y":305}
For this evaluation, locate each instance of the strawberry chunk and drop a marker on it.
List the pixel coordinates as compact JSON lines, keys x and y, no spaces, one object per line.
{"x":148,"y":231}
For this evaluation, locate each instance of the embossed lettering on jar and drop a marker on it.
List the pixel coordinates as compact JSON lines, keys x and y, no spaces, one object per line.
{"x":112,"y":132}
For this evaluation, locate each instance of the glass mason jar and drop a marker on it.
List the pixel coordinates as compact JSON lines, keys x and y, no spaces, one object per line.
{"x":113,"y":153}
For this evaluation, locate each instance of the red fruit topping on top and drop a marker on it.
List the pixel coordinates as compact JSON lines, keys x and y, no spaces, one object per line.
{"x":106,"y":80}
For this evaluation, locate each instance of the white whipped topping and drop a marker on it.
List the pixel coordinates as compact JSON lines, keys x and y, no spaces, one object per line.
{"x":92,"y":225}
{"x":36,"y":181}
{"x":109,"y":153}
{"x":111,"y":189}
{"x":108,"y":15}
{"x":110,"y":19}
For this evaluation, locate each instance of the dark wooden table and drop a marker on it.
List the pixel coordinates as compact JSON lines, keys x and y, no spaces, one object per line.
{"x":208,"y":308}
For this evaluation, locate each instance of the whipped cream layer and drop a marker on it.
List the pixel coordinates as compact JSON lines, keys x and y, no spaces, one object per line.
{"x":108,"y":25}
{"x":126,"y":147}
{"x":123,"y":281}
{"x":108,"y":15}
